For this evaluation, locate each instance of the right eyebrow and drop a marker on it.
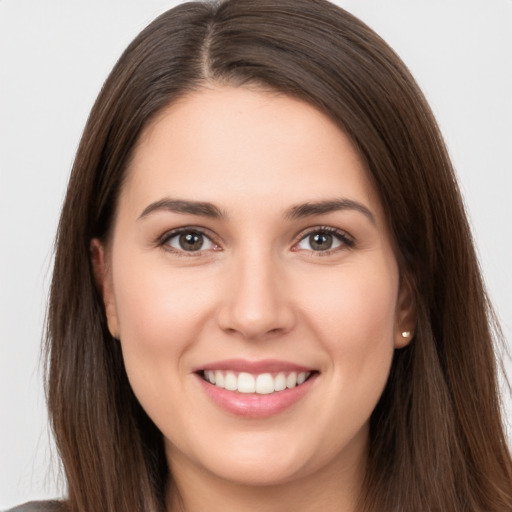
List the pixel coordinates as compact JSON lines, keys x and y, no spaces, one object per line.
{"x":201,"y":208}
{"x":312,"y":209}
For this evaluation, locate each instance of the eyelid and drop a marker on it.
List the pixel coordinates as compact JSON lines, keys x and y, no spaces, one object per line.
{"x":346,"y":239}
{"x":165,"y":237}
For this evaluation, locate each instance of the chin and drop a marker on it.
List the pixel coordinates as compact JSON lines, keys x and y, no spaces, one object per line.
{"x":260,"y":473}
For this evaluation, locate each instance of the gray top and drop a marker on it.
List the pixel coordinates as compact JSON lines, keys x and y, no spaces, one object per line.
{"x":40,"y":506}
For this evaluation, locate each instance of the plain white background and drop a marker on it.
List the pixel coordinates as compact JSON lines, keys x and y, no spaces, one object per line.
{"x":54,"y":56}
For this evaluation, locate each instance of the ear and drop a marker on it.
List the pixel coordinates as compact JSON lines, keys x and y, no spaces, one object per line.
{"x":405,"y":323}
{"x":103,"y":278}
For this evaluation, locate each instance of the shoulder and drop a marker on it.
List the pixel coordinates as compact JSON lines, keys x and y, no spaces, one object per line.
{"x":40,"y":506}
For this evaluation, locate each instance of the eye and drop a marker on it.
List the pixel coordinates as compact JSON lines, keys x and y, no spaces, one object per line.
{"x":324,"y":240}
{"x":189,"y":240}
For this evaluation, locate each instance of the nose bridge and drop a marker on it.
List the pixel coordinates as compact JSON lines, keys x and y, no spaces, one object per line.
{"x":256,"y":301}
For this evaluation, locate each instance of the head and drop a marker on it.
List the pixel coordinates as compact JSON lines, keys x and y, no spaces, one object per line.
{"x":314,"y":55}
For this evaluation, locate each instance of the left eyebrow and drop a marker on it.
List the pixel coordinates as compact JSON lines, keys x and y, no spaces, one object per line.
{"x":200,"y":208}
{"x":310,"y":209}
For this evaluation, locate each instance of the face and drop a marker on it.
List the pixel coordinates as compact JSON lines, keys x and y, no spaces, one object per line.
{"x":252,"y":282}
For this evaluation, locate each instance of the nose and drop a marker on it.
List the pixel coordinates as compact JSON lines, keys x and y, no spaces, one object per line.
{"x":257,"y":301}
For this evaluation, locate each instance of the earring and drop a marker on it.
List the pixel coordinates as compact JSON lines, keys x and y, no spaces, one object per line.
{"x":406,"y":334}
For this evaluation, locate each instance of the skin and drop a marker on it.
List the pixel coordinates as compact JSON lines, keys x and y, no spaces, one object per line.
{"x":257,"y":290}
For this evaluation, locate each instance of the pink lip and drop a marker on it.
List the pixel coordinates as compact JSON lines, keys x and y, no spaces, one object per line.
{"x":253,"y":405}
{"x":254,"y":367}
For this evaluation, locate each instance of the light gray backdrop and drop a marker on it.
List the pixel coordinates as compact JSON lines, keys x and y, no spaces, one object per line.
{"x":54,"y":56}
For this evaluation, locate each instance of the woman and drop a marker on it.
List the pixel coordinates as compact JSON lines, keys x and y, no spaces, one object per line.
{"x":256,"y":300}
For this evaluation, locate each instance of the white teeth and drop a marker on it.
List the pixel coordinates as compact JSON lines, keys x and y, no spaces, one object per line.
{"x":219,"y":379}
{"x":280,"y":382}
{"x":230,"y":382}
{"x":262,"y":384}
{"x":246,"y":383}
{"x":301,"y":378}
{"x":291,"y":380}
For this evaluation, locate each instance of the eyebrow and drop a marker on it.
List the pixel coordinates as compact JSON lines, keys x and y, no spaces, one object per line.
{"x":201,"y":208}
{"x":299,"y":211}
{"x":311,"y":209}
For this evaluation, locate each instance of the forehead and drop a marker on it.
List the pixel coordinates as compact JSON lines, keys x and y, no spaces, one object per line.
{"x":244,"y":147}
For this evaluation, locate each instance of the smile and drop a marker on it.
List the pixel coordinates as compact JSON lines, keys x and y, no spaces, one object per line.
{"x":261,"y":384}
{"x":255,"y":389}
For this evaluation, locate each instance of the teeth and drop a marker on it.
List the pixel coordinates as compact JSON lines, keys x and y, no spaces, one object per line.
{"x":301,"y":378}
{"x":231,"y":383}
{"x":246,"y":383}
{"x":219,"y":379}
{"x":262,"y":384}
{"x":291,"y":380}
{"x":280,"y":382}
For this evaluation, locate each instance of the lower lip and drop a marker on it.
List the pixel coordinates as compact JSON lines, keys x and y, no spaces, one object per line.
{"x":253,"y":405}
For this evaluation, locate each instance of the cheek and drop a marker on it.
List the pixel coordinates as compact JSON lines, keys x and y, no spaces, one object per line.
{"x":160,"y":314}
{"x":354,"y":316}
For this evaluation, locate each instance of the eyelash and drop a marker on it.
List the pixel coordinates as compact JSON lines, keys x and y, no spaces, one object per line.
{"x":341,"y":236}
{"x":347,"y":242}
{"x":169,"y":235}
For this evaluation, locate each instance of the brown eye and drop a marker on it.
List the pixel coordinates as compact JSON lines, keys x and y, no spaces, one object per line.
{"x":320,"y":241}
{"x":324,"y":240}
{"x":190,"y":241}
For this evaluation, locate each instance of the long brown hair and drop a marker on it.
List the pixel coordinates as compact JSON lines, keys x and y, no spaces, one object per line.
{"x":436,"y":437}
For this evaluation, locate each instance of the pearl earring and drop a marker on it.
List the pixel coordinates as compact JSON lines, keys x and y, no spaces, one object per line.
{"x":406,"y":334}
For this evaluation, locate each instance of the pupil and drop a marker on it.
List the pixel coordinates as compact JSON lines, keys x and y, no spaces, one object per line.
{"x":320,"y":241}
{"x":191,"y":241}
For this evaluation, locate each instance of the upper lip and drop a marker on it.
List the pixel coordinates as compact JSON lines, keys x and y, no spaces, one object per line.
{"x":254,"y":367}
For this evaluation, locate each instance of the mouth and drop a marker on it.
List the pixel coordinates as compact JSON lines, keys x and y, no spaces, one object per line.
{"x":256,"y":383}
{"x":256,"y":389}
